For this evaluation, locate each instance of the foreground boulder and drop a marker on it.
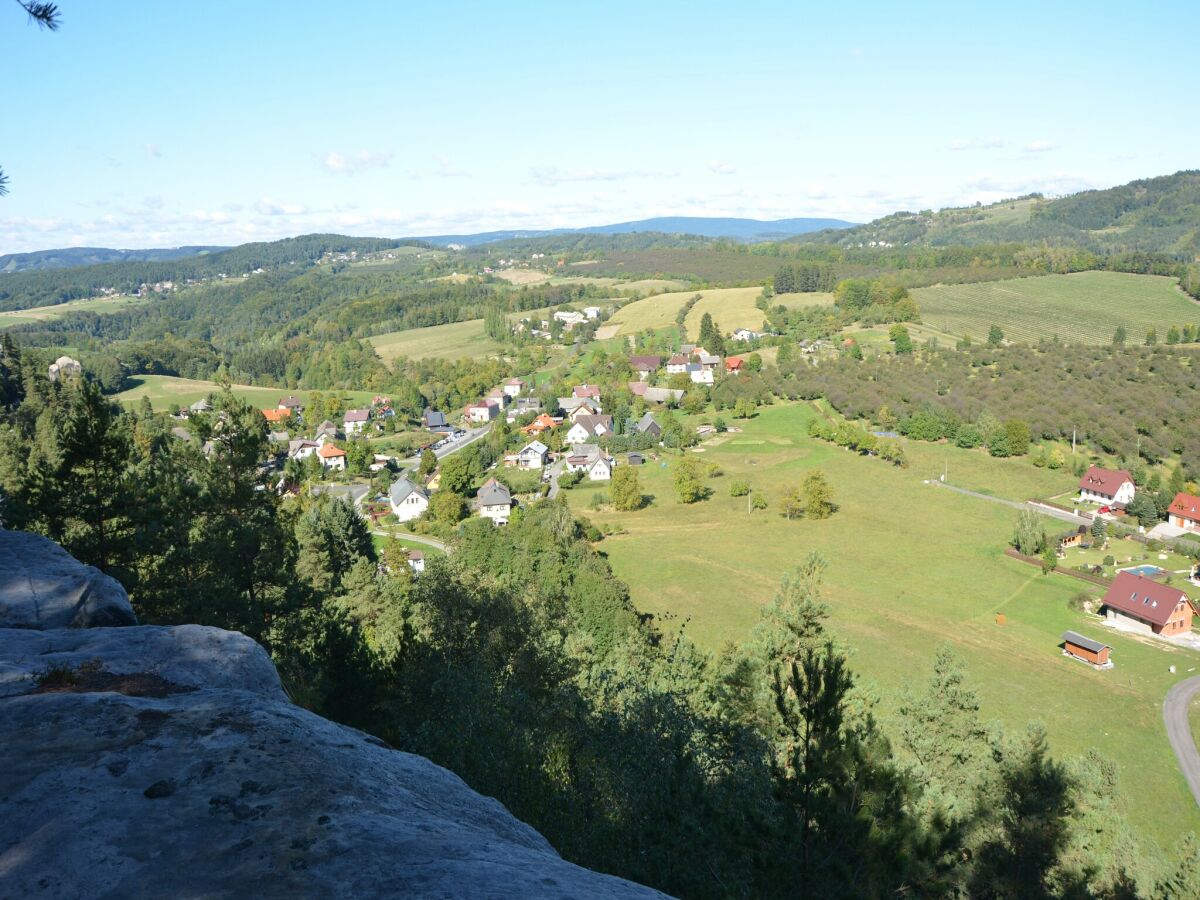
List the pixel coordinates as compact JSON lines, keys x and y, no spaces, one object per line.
{"x":151,"y":762}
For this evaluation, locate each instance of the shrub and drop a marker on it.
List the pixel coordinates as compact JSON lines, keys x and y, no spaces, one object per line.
{"x":739,"y":488}
{"x":1109,"y":561}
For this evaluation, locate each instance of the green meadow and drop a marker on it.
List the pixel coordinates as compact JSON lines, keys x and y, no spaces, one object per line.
{"x":731,"y":308}
{"x":911,"y":567}
{"x":1086,"y":307}
{"x":168,"y":392}
{"x":453,"y":341}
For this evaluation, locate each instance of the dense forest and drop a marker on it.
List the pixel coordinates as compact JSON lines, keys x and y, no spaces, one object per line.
{"x":520,"y":663}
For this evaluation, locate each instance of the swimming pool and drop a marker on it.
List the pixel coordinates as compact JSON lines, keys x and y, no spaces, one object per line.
{"x":1146,"y":571}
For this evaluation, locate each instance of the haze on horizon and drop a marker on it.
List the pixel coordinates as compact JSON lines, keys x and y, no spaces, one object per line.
{"x":147,"y":125}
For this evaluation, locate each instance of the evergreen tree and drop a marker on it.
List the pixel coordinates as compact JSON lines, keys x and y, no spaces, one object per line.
{"x":1119,"y":336}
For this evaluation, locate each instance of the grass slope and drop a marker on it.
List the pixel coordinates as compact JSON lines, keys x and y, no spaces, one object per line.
{"x":168,"y":392}
{"x":452,"y":341}
{"x":1085,"y":307}
{"x":733,"y":305}
{"x":912,"y":567}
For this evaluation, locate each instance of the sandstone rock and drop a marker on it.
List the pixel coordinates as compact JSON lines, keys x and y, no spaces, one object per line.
{"x":166,"y":762}
{"x":43,"y":586}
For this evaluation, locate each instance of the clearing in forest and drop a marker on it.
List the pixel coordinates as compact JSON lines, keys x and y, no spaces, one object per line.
{"x":731,"y":308}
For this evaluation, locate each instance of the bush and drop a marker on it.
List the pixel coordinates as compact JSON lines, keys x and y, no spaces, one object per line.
{"x":1109,"y":561}
{"x":739,"y":489}
{"x":712,"y":470}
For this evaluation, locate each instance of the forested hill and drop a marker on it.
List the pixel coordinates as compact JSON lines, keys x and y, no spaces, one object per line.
{"x":68,"y":257}
{"x":748,"y":230}
{"x":1159,"y":215}
{"x":24,"y":290}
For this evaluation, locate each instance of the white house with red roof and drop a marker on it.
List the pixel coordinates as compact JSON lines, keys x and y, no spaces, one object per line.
{"x":1106,"y":486}
{"x":331,"y":457}
{"x":1184,"y":512}
{"x":1147,"y":606}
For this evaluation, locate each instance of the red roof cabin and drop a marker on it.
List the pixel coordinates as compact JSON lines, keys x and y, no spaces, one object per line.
{"x":1147,"y":606}
{"x":1184,"y":512}
{"x":1086,"y":649}
{"x":1106,"y":486}
{"x":733,"y":364}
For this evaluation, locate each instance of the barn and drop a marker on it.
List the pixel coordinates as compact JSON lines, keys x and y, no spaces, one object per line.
{"x":1084,"y":648}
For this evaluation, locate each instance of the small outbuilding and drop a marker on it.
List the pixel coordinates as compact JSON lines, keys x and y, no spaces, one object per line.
{"x":1084,"y":648}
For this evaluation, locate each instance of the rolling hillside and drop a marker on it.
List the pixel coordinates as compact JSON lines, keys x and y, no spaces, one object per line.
{"x":1153,"y":214}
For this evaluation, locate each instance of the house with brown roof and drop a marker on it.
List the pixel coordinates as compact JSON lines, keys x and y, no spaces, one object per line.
{"x":678,"y":363}
{"x":734,"y":364}
{"x":355,"y":420}
{"x":514,"y":387}
{"x":276,"y":416}
{"x":483,"y":412}
{"x":1106,"y":486}
{"x":586,"y":392}
{"x":1184,"y":512}
{"x":292,"y":403}
{"x":645,"y":366}
{"x":539,"y":426}
{"x":1147,"y":606}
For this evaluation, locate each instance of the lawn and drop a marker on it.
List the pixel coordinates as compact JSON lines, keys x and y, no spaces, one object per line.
{"x":731,"y":308}
{"x":380,"y":542}
{"x":911,"y":567}
{"x":58,"y":310}
{"x":1086,"y":307}
{"x":167,"y":392}
{"x":452,"y":341}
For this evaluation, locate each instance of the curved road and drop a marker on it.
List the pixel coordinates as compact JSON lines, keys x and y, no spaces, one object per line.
{"x":1179,"y":732}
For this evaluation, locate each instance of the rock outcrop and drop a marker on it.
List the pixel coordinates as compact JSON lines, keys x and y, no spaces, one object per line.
{"x":142,"y":761}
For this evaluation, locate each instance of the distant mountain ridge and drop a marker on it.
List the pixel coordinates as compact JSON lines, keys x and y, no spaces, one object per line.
{"x":68,"y":257}
{"x":745,"y":230}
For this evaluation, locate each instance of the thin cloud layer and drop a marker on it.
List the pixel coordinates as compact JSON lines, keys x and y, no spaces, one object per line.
{"x":338,"y":163}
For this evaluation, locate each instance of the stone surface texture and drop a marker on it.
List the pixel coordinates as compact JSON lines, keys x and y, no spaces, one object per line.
{"x":144,"y":761}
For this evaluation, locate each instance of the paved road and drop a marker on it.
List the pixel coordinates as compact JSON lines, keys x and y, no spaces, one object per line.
{"x":555,"y":471}
{"x":470,"y":437}
{"x":1179,"y":732}
{"x":1062,"y":514}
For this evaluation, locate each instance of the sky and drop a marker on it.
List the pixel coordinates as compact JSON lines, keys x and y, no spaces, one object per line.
{"x":143,"y":124}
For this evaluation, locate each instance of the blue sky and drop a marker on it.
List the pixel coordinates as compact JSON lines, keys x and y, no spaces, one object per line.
{"x":157,"y":124}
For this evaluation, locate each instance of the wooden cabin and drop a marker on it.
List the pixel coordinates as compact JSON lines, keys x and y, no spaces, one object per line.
{"x":1086,"y":649}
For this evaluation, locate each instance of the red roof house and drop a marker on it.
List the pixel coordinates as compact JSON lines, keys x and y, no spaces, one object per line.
{"x":1148,"y":606}
{"x":586,"y":392}
{"x":1184,"y":511}
{"x":276,"y":415}
{"x":734,"y":363}
{"x":1106,"y":486}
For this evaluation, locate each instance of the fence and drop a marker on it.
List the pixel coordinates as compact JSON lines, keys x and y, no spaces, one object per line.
{"x":1074,"y":573}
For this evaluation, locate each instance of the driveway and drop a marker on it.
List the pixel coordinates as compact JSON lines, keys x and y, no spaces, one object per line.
{"x":1179,"y":732}
{"x":555,"y":471}
{"x":418,"y":538}
{"x":1054,"y":512}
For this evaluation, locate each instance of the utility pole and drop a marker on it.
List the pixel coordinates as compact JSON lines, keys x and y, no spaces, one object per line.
{"x":1072,"y":441}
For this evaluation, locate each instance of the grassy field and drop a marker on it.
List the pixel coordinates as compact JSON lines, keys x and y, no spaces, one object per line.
{"x":911,"y":568}
{"x":167,"y":392}
{"x":57,"y":311}
{"x":452,"y":341}
{"x":731,"y":309}
{"x":799,"y":301}
{"x":735,"y":305}
{"x":1085,"y":307}
{"x":408,"y":543}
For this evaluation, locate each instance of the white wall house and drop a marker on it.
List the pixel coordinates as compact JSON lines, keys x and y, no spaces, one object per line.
{"x":1106,"y":486}
{"x":494,"y":501}
{"x":355,"y":420}
{"x":407,"y":500}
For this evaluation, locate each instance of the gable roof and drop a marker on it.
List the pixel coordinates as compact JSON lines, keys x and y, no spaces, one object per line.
{"x":357,"y":415}
{"x":515,"y":382}
{"x":678,"y":359}
{"x":733,"y":363}
{"x":1104,"y":481}
{"x":1074,"y":637}
{"x":536,"y":447}
{"x":591,"y":423}
{"x":328,"y":451}
{"x":542,"y":423}
{"x":276,"y":415}
{"x":583,"y":453}
{"x":401,"y":489}
{"x":1143,"y":599}
{"x":645,"y":363}
{"x":432,"y":417}
{"x":638,"y":388}
{"x":662,"y":395}
{"x":586,"y":390}
{"x":290,"y":402}
{"x":1186,"y":506}
{"x":493,"y":493}
{"x":645,"y":423}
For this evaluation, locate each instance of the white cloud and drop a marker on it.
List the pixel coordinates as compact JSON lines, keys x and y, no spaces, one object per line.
{"x":721,"y":167}
{"x":152,"y":149}
{"x":338,"y":163}
{"x":550,"y":176}
{"x":268,"y":207}
{"x":1038,"y":147}
{"x":976,"y":144}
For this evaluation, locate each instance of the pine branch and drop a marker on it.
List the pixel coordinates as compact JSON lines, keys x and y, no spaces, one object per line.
{"x":3,"y":183}
{"x":46,"y":15}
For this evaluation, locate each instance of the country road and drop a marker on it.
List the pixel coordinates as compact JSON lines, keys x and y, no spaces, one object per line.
{"x":1179,"y":732}
{"x":1061,"y":514}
